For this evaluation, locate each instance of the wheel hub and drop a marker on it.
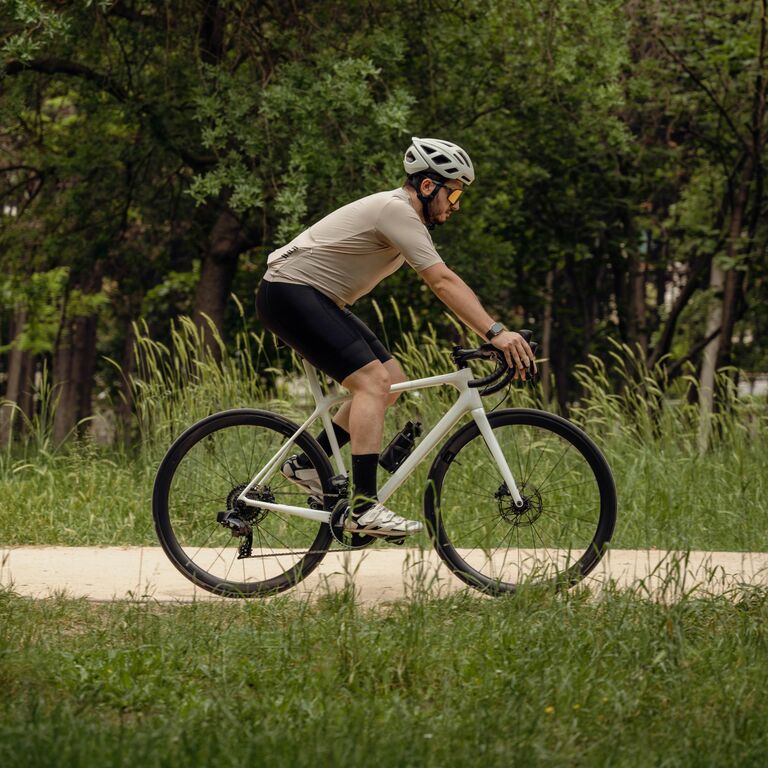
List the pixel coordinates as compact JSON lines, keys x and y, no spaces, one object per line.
{"x":524,"y":515}
{"x":249,"y":514}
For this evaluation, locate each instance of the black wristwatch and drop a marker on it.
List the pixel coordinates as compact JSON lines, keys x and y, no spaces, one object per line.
{"x":494,"y":331}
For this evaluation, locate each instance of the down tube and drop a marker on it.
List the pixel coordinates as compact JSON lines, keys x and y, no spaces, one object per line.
{"x":431,"y":439}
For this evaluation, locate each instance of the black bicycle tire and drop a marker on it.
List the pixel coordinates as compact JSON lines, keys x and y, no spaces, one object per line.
{"x":160,"y":512}
{"x":605,"y":523}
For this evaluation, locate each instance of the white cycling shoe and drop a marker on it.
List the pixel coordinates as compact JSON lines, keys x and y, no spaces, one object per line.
{"x":305,"y":477}
{"x":380,"y":521}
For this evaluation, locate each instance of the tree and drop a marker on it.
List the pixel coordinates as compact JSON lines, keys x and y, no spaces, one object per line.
{"x":718,"y":75}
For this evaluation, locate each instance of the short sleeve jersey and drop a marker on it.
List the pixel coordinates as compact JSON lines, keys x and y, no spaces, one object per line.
{"x":350,"y":251}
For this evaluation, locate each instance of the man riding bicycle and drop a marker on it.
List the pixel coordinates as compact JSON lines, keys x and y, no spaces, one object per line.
{"x":310,"y":283}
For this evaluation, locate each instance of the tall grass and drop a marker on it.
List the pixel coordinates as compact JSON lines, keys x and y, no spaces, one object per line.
{"x":670,"y":494}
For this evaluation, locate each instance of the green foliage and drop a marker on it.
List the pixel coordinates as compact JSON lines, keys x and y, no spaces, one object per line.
{"x":349,"y":130}
{"x":42,"y":297}
{"x":28,"y":27}
{"x":608,"y":138}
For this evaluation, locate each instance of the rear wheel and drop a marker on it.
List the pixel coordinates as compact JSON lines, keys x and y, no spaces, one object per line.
{"x":226,"y":546}
{"x":559,"y":534}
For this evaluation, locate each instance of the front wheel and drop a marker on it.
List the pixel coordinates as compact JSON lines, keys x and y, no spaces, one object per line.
{"x":220,"y":543}
{"x":559,"y":534}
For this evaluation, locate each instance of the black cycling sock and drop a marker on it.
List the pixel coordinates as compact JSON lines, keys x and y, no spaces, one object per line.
{"x":364,"y":481}
{"x":342,"y":437}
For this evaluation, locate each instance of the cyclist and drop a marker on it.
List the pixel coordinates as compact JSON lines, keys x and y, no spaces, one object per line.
{"x":310,"y":283}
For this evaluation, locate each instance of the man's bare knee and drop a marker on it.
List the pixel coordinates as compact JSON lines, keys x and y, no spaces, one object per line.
{"x":396,"y":376}
{"x":372,"y":379}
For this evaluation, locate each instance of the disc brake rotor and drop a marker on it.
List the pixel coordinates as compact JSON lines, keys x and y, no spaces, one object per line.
{"x":522,"y":516}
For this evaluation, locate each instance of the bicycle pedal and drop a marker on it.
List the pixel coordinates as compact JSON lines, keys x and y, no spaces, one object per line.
{"x":399,"y":540}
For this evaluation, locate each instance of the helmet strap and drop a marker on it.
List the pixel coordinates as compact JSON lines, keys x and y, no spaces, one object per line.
{"x":425,"y":201}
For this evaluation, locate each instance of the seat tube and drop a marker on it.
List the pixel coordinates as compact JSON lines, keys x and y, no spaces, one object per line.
{"x":481,"y":419}
{"x":321,"y":400}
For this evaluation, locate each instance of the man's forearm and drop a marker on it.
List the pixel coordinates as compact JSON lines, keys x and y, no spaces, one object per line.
{"x":461,"y":299}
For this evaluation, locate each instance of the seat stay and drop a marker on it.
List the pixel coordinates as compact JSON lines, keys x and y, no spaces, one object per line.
{"x":323,"y":404}
{"x":277,"y":459}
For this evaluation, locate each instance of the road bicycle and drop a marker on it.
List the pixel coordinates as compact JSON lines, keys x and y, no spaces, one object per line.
{"x":513,"y":496}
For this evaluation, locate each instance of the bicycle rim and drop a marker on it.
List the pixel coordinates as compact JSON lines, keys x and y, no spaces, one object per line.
{"x":201,"y":477}
{"x":567,"y":519}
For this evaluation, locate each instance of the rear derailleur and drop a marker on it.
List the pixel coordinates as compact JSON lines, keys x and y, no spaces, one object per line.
{"x":239,"y":518}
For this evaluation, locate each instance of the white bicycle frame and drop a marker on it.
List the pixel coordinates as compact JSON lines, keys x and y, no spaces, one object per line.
{"x":469,"y":401}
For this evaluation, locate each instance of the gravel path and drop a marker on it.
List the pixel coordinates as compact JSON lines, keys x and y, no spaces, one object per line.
{"x":379,"y":575}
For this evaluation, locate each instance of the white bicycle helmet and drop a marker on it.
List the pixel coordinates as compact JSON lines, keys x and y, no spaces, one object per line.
{"x":449,"y":160}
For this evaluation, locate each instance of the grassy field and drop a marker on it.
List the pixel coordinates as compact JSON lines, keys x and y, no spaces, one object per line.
{"x":537,"y":679}
{"x":533,"y":680}
{"x":669,"y":497}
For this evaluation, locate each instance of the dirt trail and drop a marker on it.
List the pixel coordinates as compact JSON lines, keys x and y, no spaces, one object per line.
{"x":108,"y":573}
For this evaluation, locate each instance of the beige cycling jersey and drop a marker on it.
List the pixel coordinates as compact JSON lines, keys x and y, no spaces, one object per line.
{"x":350,"y":251}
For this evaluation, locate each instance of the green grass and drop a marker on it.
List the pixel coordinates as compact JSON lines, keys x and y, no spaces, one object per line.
{"x":532,"y":680}
{"x":669,"y":496}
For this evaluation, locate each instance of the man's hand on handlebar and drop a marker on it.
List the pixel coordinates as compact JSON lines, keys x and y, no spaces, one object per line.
{"x":516,"y":351}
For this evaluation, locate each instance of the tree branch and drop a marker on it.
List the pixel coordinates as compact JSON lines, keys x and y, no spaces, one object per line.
{"x":123,"y":11}
{"x":70,"y":68}
{"x":674,"y":369}
{"x":704,"y":87}
{"x":665,"y":341}
{"x":107,"y":84}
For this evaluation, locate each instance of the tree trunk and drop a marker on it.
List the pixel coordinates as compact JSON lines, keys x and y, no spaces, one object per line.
{"x":723,"y":310}
{"x":709,"y":361}
{"x":127,"y":368}
{"x":664,"y":344}
{"x":752,"y":171}
{"x":19,"y":388}
{"x":74,"y":363}
{"x":546,"y":337}
{"x":217,"y":275}
{"x":637,"y":309}
{"x":730,"y":300}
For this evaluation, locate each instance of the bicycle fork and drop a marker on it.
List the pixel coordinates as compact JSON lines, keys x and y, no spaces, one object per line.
{"x":481,"y":419}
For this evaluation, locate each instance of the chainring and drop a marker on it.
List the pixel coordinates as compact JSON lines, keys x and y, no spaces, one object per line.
{"x":345,"y":538}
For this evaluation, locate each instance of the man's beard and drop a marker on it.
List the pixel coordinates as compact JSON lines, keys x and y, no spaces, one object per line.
{"x":433,"y":219}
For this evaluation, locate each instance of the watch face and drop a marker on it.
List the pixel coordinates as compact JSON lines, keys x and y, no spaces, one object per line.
{"x":494,"y":330}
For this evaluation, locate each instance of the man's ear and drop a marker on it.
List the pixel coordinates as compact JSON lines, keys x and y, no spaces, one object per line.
{"x":427,"y":185}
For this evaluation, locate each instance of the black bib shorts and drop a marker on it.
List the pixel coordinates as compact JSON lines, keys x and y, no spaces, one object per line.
{"x":332,"y":339}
